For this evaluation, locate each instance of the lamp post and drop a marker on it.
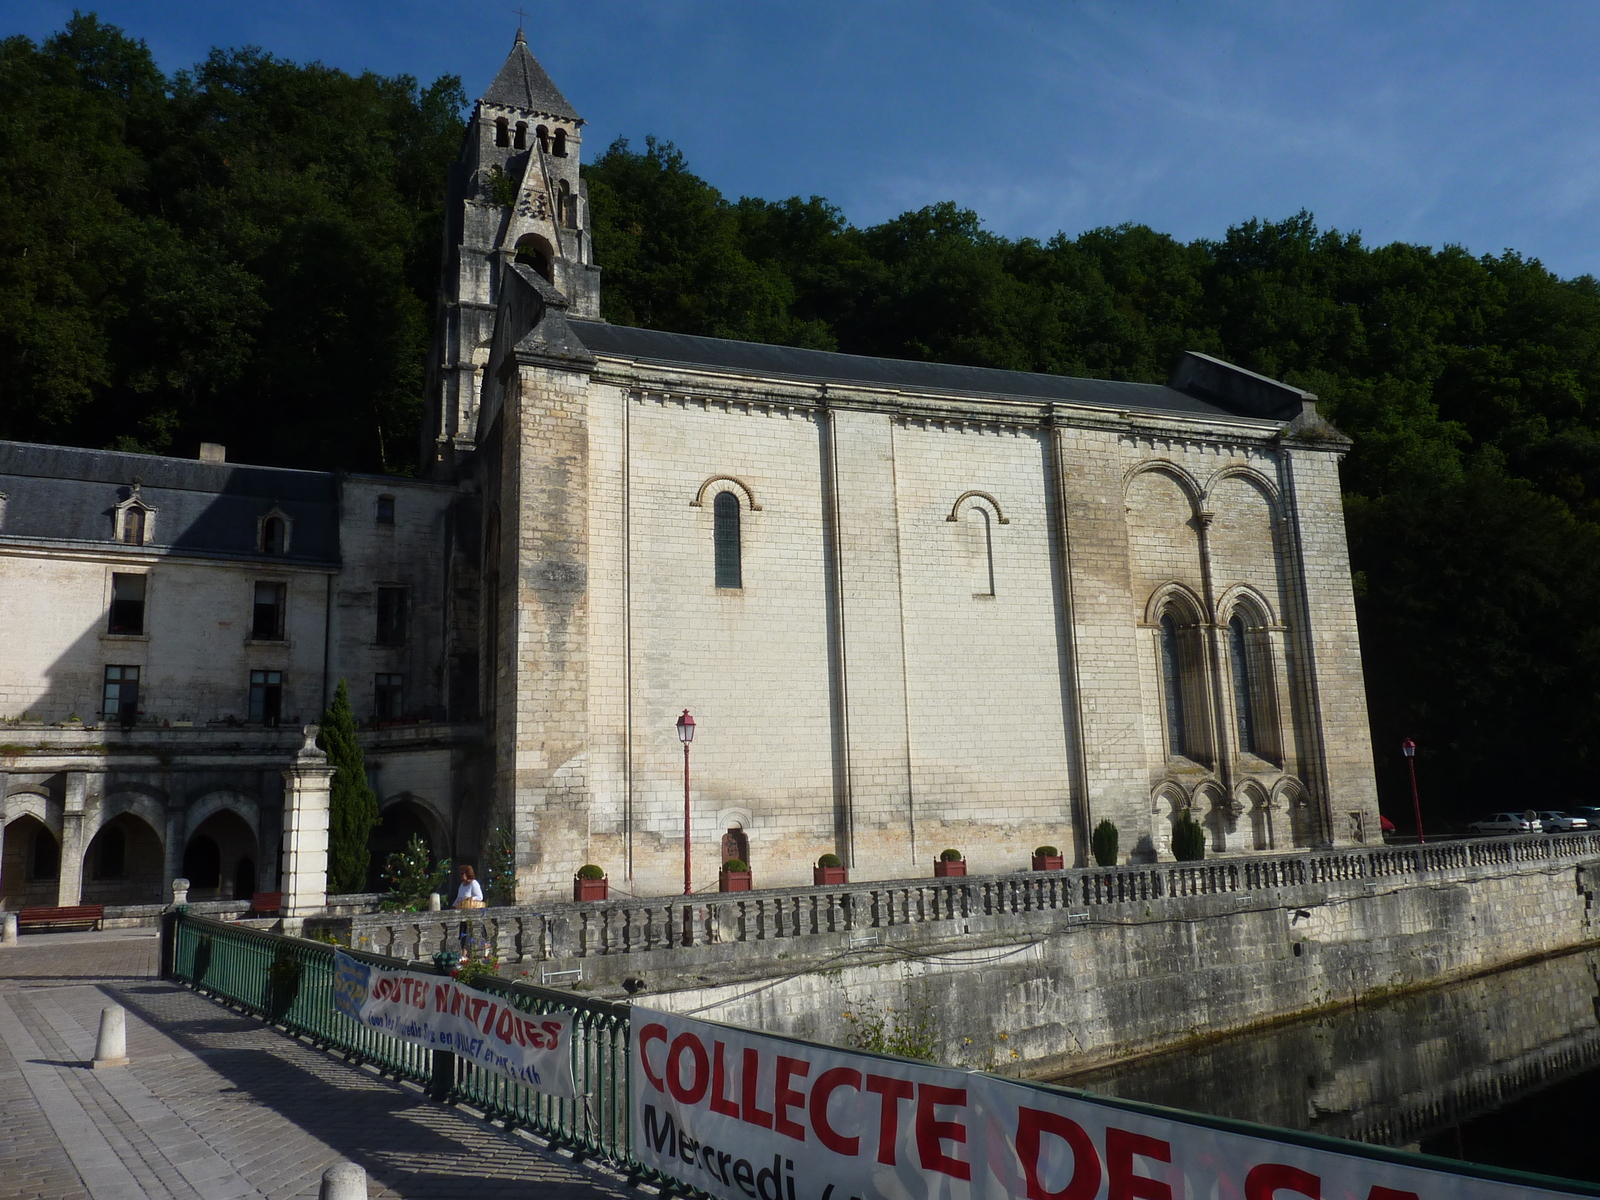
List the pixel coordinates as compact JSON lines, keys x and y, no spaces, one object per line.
{"x":1409,"y":749}
{"x":686,"y":735}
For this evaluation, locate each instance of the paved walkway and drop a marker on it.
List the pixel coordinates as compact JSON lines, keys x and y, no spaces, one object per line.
{"x":215,"y":1105}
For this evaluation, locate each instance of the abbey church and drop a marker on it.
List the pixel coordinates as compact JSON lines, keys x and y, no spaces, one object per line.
{"x":910,"y":606}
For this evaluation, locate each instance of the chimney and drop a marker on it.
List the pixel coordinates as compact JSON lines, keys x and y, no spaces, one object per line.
{"x":213,"y":452}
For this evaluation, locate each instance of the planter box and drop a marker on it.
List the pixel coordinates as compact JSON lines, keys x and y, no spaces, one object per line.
{"x":591,"y":889}
{"x":829,"y":876}
{"x":1050,"y":862}
{"x":733,"y":881}
{"x":949,"y":870}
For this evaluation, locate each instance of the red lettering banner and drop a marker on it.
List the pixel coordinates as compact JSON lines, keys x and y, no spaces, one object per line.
{"x":746,"y":1116}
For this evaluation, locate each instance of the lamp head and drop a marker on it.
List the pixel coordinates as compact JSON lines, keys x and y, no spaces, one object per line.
{"x":686,"y":728}
{"x":1408,"y":748}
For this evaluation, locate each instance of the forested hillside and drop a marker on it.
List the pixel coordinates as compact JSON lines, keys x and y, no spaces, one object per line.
{"x":247,"y":252}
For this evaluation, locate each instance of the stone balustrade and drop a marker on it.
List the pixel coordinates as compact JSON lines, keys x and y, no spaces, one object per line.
{"x":860,"y":914}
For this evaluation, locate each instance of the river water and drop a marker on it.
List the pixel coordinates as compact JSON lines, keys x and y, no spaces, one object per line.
{"x":1503,"y":1069}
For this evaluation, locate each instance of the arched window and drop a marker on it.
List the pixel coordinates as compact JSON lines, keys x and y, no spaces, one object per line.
{"x":565,"y":208}
{"x":559,"y":144}
{"x":1172,"y":681}
{"x":543,"y":134}
{"x":273,"y":540}
{"x":1243,"y":692}
{"x":502,"y":132}
{"x":725,"y":526}
{"x":133,"y":525}
{"x":521,"y":141}
{"x":535,"y":252}
{"x":980,"y":549}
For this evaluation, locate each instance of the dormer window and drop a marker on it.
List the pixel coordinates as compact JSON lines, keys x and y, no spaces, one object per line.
{"x":133,"y":520}
{"x":273,"y":530}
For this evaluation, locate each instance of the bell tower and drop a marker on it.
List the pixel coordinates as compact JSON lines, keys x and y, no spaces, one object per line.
{"x":515,"y":193}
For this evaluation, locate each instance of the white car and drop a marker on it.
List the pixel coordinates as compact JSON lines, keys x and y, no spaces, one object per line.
{"x":1503,"y":822}
{"x":1560,"y":822}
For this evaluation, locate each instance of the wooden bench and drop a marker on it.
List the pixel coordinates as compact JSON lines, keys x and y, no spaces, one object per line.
{"x":90,"y":915}
{"x":266,"y":904}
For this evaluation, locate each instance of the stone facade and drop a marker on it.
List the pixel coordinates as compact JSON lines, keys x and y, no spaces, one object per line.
{"x":108,"y":796}
{"x":911,"y":606}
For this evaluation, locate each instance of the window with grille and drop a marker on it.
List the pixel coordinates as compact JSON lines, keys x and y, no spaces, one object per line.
{"x":127,"y":604}
{"x":1242,"y":691}
{"x":388,"y":692}
{"x":266,"y":697}
{"x":1172,"y":686}
{"x":391,"y":616}
{"x":725,"y":527}
{"x":267,"y":621}
{"x":121,"y":696}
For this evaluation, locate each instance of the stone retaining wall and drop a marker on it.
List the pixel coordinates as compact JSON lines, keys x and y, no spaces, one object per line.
{"x":1039,"y":970}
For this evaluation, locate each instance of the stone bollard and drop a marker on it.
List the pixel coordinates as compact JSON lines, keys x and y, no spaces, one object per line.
{"x":344,"y":1181}
{"x":435,"y":904}
{"x":180,"y":892}
{"x":111,"y":1048}
{"x":8,"y":934}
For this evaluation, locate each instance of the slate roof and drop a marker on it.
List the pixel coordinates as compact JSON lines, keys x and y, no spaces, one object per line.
{"x":682,"y":349}
{"x":63,"y":493}
{"x":522,"y":83}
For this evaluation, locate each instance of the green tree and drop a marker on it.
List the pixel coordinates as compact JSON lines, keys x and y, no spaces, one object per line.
{"x":353,"y":807}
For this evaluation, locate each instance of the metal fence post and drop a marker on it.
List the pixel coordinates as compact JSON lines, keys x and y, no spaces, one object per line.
{"x":444,"y":1075}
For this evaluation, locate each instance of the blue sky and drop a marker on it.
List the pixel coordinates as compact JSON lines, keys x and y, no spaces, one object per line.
{"x":1426,"y":122}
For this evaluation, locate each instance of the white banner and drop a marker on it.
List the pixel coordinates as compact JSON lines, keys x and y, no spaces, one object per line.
{"x":750,"y":1117}
{"x":437,"y":1012}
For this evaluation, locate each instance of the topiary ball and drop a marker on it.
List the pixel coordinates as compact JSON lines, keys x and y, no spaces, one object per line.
{"x":1046,"y":852}
{"x":829,"y":860}
{"x":950,"y":855}
{"x":590,"y":871}
{"x":735,"y":864}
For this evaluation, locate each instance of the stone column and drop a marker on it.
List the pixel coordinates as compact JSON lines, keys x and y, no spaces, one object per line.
{"x":306,"y":784}
{"x":69,"y":887}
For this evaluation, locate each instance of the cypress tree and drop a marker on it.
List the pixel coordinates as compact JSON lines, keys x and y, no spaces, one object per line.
{"x":353,"y":807}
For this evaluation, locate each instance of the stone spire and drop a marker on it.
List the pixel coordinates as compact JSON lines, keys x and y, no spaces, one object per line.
{"x":523,"y":84}
{"x":516,"y":194}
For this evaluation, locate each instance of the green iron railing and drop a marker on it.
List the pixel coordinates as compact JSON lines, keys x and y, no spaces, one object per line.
{"x":289,"y":981}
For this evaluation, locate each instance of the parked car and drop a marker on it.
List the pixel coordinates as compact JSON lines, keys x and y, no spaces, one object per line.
{"x":1503,"y":822}
{"x":1560,"y":822}
{"x":1591,"y":815}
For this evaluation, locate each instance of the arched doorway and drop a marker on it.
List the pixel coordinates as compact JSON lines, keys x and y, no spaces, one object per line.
{"x":124,"y":863}
{"x":214,"y":855}
{"x":31,"y":871}
{"x":402,"y":820}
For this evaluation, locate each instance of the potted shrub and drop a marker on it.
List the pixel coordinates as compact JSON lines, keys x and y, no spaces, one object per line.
{"x":1048,"y":858}
{"x":590,"y":883}
{"x":1188,"y":839}
{"x":734,"y":876}
{"x":949,"y":865}
{"x":1103,"y":842}
{"x":829,"y":872}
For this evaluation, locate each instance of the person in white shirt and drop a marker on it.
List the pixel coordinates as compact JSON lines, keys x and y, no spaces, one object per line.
{"x":470,"y":894}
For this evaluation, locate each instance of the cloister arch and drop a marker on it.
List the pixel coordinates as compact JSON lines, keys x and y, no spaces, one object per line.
{"x":221,"y":856}
{"x":125,"y":861}
{"x":30,"y":873}
{"x":402,"y":817}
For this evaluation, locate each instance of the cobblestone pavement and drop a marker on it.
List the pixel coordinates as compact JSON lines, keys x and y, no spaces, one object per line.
{"x":216,"y":1105}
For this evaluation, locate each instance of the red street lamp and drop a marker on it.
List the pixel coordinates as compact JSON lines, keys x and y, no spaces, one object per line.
{"x":1409,"y":749}
{"x":686,"y":735}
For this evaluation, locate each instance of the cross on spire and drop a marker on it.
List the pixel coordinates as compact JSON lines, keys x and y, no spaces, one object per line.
{"x":522,"y":18}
